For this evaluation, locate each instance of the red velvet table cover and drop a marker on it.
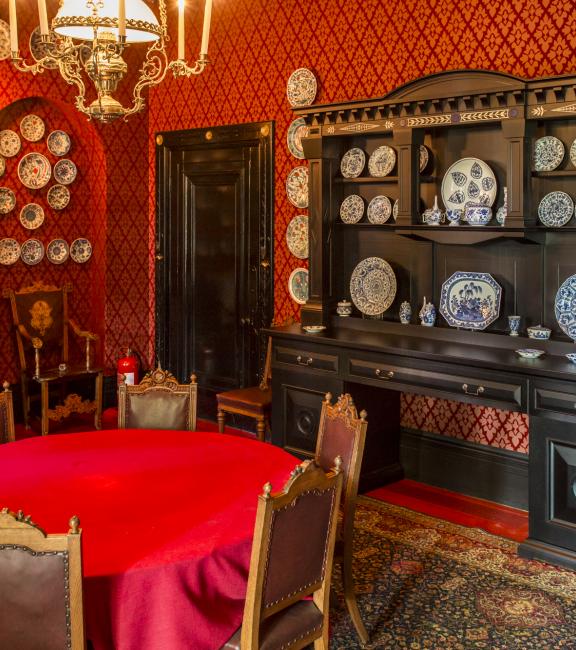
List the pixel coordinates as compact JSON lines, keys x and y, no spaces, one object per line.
{"x":167,"y":520}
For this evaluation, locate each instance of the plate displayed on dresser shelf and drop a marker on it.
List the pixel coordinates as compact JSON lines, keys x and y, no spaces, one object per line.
{"x":470,"y":300}
{"x":352,"y":209}
{"x":352,"y":163}
{"x":57,"y":251}
{"x":59,"y":143}
{"x":565,"y":307}
{"x":7,"y":200}
{"x":556,"y":209}
{"x":373,"y":286}
{"x":297,"y":236}
{"x":10,"y":143}
{"x":296,"y":131}
{"x":301,"y":88}
{"x":58,"y":197}
{"x":548,"y":153}
{"x":382,"y":161}
{"x":298,"y":285}
{"x":81,"y":250}
{"x":65,"y":171}
{"x":468,"y":180}
{"x":530,"y":353}
{"x":32,"y":216}
{"x":297,"y":187}
{"x":573,"y":153}
{"x":379,"y":209}
{"x":34,"y":171}
{"x":9,"y":251}
{"x":395,"y":209}
{"x":32,"y":251}
{"x":32,"y":128}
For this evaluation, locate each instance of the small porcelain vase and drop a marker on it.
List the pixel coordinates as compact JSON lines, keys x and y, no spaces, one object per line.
{"x":427,"y":314}
{"x":405,"y":313}
{"x":344,"y":308}
{"x":502,"y":212}
{"x":433,"y":217}
{"x":514,"y":325}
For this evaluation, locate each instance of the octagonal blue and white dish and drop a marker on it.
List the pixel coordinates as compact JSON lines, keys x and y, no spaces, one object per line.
{"x":470,"y":300}
{"x":565,"y":307}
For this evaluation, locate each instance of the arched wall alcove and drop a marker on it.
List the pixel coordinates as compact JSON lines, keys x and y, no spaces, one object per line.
{"x":84,"y":216}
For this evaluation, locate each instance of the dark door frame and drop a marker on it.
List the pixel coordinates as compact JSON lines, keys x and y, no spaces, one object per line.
{"x":256,"y":133}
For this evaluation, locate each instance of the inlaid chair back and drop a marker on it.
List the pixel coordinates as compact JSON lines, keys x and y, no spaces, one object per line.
{"x":343,"y":433}
{"x":292,"y":554}
{"x":158,"y":402}
{"x":6,"y":415}
{"x":40,"y":586}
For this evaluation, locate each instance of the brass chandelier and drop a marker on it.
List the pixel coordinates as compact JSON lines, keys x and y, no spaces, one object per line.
{"x":88,"y":37}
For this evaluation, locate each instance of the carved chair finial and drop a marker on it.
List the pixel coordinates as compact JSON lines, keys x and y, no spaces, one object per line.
{"x":267,"y":489}
{"x":6,"y":386}
{"x":74,"y":524}
{"x":338,"y":464}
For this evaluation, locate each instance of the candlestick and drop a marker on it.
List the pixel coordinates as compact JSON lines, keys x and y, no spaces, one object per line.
{"x":43,"y":15}
{"x":206,"y":28}
{"x":13,"y":26}
{"x":121,"y":19}
{"x":181,"y":30}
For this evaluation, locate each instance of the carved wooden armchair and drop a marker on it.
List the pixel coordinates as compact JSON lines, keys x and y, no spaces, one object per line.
{"x":158,"y":402}
{"x":6,"y":415}
{"x":342,"y":433}
{"x":41,"y":323}
{"x":40,"y":586}
{"x":292,"y":553}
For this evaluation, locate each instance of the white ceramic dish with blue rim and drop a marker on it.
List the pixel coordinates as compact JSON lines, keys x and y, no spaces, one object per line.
{"x":373,"y":286}
{"x":298,"y":285}
{"x":565,"y":307}
{"x":297,"y":186}
{"x":352,"y":209}
{"x":469,"y":180}
{"x":313,"y":329}
{"x":382,"y":161}
{"x":530,"y":353}
{"x":352,"y":163}
{"x":556,"y":209}
{"x":548,"y":153}
{"x":379,"y":209}
{"x":470,"y":300}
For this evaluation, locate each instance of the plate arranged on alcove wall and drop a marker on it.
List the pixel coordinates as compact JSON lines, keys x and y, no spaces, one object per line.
{"x":32,"y":128}
{"x":65,"y":171}
{"x":32,"y":252}
{"x":58,"y":197}
{"x":57,"y":251}
{"x":59,"y":143}
{"x":32,"y":216}
{"x":298,"y":285}
{"x":81,"y":250}
{"x":10,"y":143}
{"x":34,"y":171}
{"x":9,"y":251}
{"x":7,"y":200}
{"x":297,"y":187}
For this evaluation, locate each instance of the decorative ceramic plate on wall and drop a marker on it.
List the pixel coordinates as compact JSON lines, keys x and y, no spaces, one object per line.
{"x":2,"y":165}
{"x":352,"y":163}
{"x":352,"y":209}
{"x":81,"y":250}
{"x":32,"y":128}
{"x":10,"y":143}
{"x":34,"y":170}
{"x":470,"y":300}
{"x":32,"y":216}
{"x":298,"y":285}
{"x":58,"y":197}
{"x":373,"y":286}
{"x":468,"y":180}
{"x":556,"y":209}
{"x":296,"y":131}
{"x":548,"y":153}
{"x":573,"y":153}
{"x":379,"y":209}
{"x":4,"y":40}
{"x":301,"y":88}
{"x":297,"y":236}
{"x":65,"y":171}
{"x":382,"y":161}
{"x":565,"y":307}
{"x":57,"y":251}
{"x":59,"y":143}
{"x":32,"y":252}
{"x":297,"y":187}
{"x":9,"y":251}
{"x":39,"y":49}
{"x":7,"y":200}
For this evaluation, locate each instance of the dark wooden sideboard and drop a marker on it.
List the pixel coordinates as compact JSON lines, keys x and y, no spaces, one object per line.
{"x":496,"y":118}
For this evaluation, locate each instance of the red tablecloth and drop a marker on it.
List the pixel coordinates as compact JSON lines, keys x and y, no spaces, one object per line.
{"x":167,"y":519}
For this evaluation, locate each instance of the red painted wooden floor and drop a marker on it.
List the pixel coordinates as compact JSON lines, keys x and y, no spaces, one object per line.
{"x":457,"y":508}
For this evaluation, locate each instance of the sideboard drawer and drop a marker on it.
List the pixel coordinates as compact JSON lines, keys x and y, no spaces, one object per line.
{"x":556,"y":399}
{"x":304,"y":358}
{"x":441,"y":380}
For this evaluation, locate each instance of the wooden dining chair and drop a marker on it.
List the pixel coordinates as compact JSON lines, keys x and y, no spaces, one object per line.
{"x":292,"y":553}
{"x":158,"y":402}
{"x":40,"y":586}
{"x":253,"y":402}
{"x":6,"y":414}
{"x":342,"y":433}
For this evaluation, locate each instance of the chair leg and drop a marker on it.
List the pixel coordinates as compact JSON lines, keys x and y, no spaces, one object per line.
{"x":44,"y":407}
{"x":98,"y":399}
{"x":221,"y":416}
{"x":261,"y":428}
{"x":350,"y":595}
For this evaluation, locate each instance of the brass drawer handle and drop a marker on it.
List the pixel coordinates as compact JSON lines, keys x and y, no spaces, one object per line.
{"x":301,"y":362}
{"x":384,"y":375}
{"x":478,"y":391}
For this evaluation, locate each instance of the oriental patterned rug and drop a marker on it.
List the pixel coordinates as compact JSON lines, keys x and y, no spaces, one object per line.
{"x":426,"y":584}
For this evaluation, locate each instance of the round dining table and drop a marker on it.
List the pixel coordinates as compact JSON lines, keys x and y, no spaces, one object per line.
{"x":167,"y":520}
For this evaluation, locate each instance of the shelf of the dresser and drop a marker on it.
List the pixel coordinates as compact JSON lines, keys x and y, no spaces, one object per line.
{"x":558,"y":173}
{"x":368,"y":180}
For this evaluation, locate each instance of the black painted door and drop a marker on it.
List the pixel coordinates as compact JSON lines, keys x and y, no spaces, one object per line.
{"x":214,"y":242}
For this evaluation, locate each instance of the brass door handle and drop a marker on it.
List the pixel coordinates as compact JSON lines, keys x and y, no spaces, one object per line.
{"x":159,"y":257}
{"x":307,"y":362}
{"x":477,"y":392}
{"x":384,"y":375}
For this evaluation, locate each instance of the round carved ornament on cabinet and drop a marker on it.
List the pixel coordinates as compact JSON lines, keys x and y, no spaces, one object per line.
{"x":306,"y":423}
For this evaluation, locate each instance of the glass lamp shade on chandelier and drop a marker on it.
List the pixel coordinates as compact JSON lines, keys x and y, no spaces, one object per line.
{"x":88,"y":37}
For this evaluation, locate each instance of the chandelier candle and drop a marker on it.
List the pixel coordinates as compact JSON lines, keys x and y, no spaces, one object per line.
{"x":43,"y":15}
{"x":13,"y":28}
{"x":181,"y":30}
{"x":121,"y":20}
{"x":206,"y":29}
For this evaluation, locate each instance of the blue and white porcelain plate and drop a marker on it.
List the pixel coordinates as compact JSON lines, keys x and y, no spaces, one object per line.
{"x":298,"y":285}
{"x":548,"y":153}
{"x":565,"y":307}
{"x":352,"y":209}
{"x":352,"y":163}
{"x":556,"y":209}
{"x":468,"y":180}
{"x":470,"y":300}
{"x":379,"y":209}
{"x":373,"y":286}
{"x":382,"y":161}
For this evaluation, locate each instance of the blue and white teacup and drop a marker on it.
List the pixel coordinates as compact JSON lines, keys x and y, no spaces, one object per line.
{"x":514,"y":325}
{"x":454,"y":215}
{"x":478,"y":215}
